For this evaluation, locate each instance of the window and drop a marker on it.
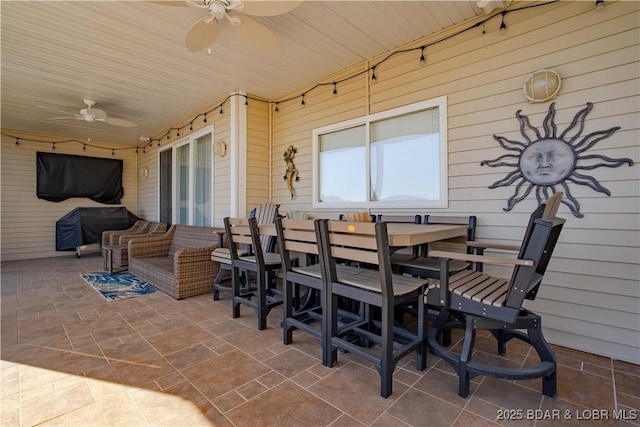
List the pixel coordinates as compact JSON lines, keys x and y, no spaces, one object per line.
{"x":395,"y":158}
{"x":186,"y":174}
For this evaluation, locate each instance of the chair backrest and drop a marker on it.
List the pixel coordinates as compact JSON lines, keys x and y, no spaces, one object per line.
{"x":358,"y":217}
{"x":413,"y":219}
{"x":457,"y":242}
{"x":355,"y":241}
{"x":157,"y":227}
{"x":266,"y":213}
{"x":296,"y":235}
{"x":190,"y":236}
{"x":551,"y":205}
{"x":538,"y":247}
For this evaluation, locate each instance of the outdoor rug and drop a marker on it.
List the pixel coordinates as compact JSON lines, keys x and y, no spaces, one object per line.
{"x":117,"y":286}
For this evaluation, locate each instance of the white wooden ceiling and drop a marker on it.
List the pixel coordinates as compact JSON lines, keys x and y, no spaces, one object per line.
{"x":130,"y":58}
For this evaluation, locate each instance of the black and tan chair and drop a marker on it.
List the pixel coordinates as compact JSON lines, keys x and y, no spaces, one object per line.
{"x":303,"y":308}
{"x":429,"y":267}
{"x":265,"y":213}
{"x":368,"y":243}
{"x":405,"y":254}
{"x":257,"y":265}
{"x":480,"y":301}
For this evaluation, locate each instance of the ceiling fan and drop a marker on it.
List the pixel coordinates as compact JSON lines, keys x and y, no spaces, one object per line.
{"x":91,"y":115}
{"x":234,"y":13}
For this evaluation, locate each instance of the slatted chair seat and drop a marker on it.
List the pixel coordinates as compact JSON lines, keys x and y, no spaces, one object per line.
{"x":370,"y":280}
{"x":482,"y":301}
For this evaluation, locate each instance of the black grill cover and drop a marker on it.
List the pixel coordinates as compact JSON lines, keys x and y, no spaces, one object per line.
{"x":84,"y":226}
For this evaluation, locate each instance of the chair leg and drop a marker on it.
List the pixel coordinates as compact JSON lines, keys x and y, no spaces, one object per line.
{"x":549,"y":382}
{"x":421,"y":364}
{"x":329,"y":328}
{"x":235,"y":285}
{"x":465,"y":357}
{"x":386,"y":356}
{"x":288,"y":300}
{"x":262,"y":282}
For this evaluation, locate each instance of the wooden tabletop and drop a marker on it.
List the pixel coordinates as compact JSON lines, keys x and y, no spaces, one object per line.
{"x":405,"y":234}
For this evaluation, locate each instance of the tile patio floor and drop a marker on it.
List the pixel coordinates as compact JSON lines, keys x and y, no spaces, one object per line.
{"x":71,"y":358}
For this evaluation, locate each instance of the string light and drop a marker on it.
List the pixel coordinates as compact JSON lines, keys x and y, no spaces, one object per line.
{"x":113,"y":153}
{"x":84,"y":147}
{"x":53,"y":146}
{"x":335,"y":88}
{"x":205,"y":118}
{"x":599,"y":4}
{"x":277,"y":107}
{"x":17,"y":141}
{"x":503,"y":26}
{"x":373,"y":72}
{"x":191,"y":126}
{"x":422,"y":58}
{"x":302,"y":102}
{"x":221,"y":112}
{"x":246,"y":100}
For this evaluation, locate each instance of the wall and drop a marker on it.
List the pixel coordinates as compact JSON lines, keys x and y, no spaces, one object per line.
{"x":28,"y":223}
{"x":591,"y":296}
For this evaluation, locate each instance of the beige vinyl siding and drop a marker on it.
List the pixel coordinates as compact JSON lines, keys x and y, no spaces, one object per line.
{"x":28,"y":223}
{"x":590,"y":299}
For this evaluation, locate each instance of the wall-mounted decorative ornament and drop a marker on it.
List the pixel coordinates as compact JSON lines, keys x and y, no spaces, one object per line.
{"x":549,"y":162}
{"x":291,"y":173}
{"x":541,"y":86}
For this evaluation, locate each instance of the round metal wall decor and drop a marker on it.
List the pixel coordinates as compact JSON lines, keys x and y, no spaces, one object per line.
{"x":548,"y":162}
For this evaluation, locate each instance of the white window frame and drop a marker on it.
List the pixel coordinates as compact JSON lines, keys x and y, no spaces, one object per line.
{"x":190,"y":140}
{"x":442,"y":202}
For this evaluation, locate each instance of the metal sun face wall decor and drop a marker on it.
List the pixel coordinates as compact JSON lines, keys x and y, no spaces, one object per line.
{"x":548,"y":161}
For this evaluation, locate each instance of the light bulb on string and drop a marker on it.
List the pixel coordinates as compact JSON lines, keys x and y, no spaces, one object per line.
{"x":503,"y":26}
{"x":335,"y":88}
{"x":422,"y":58}
{"x":276,"y":110}
{"x":373,"y":72}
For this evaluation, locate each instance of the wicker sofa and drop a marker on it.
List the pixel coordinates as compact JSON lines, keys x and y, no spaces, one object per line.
{"x":177,"y":262}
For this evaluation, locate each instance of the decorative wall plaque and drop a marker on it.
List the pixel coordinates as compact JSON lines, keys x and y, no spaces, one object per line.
{"x":548,"y":162}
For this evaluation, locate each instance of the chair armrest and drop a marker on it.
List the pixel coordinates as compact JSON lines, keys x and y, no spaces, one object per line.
{"x":187,"y":258}
{"x":487,"y":245}
{"x":480,"y":258}
{"x":124,"y":238}
{"x":145,"y":247}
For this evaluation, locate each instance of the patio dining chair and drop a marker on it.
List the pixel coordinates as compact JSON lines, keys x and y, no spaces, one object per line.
{"x":264,"y":213}
{"x":303,"y":310}
{"x":483,"y":302}
{"x":385,"y":343}
{"x":244,"y":232}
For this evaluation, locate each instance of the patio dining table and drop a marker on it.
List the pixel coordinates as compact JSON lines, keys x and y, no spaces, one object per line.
{"x":405,"y":234}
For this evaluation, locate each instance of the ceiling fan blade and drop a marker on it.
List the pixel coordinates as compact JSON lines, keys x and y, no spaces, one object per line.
{"x":257,"y":35}
{"x":201,"y":34}
{"x":97,"y":113}
{"x":268,"y":7}
{"x":169,"y":2}
{"x":56,"y":110}
{"x":119,"y":122}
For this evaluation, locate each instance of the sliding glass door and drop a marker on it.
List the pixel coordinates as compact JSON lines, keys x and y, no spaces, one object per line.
{"x":189,"y":163}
